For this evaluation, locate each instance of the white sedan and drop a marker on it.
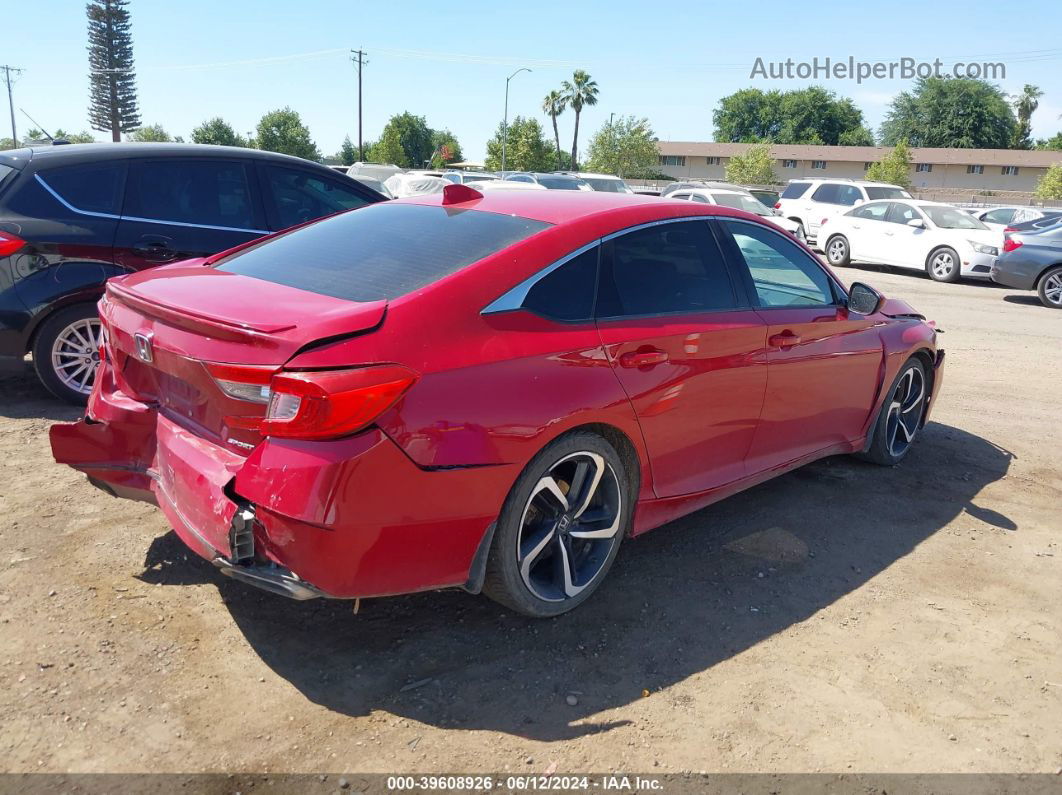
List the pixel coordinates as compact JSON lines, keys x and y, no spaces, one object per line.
{"x":940,"y":239}
{"x":739,"y":200}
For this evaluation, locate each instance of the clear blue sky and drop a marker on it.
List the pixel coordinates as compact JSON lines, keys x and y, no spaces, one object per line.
{"x":448,"y":61}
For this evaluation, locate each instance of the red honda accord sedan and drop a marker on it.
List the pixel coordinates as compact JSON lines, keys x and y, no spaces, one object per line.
{"x":488,"y":392}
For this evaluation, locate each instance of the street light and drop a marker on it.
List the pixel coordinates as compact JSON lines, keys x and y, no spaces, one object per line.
{"x":505,"y":118}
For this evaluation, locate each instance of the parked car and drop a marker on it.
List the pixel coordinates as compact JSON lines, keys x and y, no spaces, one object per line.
{"x":506,"y":184}
{"x":414,"y":183}
{"x":693,"y":184}
{"x":74,"y":215}
{"x":380,"y":171}
{"x":467,"y":177}
{"x":375,"y":184}
{"x":550,"y":181}
{"x":487,"y":394}
{"x":940,"y":239}
{"x":809,"y":201}
{"x":1032,"y":260}
{"x":603,"y":182}
{"x":1000,"y":218}
{"x":741,"y":201}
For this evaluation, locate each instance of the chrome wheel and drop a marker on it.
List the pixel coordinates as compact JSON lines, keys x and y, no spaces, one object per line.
{"x":569,"y":527}
{"x":905,"y":410}
{"x":76,"y":354}
{"x":836,"y":251}
{"x":943,"y":265}
{"x":1052,"y":289}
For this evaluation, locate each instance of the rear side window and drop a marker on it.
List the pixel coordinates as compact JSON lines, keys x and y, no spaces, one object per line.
{"x":567,"y":293}
{"x":886,"y":193}
{"x":93,"y":188}
{"x":665,"y":269}
{"x":299,"y":196}
{"x":196,"y":192}
{"x":826,"y":194}
{"x":794,"y":190}
{"x":381,"y":251}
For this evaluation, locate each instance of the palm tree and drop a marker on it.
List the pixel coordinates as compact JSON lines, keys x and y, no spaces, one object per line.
{"x":1025,"y":104}
{"x":553,"y":106}
{"x":579,"y":92}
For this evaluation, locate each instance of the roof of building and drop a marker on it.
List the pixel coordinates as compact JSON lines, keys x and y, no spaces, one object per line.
{"x":1031,"y":158}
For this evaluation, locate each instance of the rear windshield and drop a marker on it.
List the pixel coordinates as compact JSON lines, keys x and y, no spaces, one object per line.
{"x":887,"y":193}
{"x":608,"y":185}
{"x":381,"y":251}
{"x":794,"y":190}
{"x":559,"y":183}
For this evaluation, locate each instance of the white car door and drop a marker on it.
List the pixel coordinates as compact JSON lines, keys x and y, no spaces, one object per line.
{"x":866,"y":236}
{"x":907,"y":246}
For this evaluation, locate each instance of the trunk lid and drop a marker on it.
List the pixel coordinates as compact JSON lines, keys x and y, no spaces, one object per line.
{"x":167,"y":324}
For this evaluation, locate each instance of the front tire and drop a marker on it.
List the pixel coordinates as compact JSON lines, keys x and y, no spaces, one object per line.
{"x":551,"y":550}
{"x":66,"y":352}
{"x":943,"y":265}
{"x":838,"y":252}
{"x":901,"y":416}
{"x":1050,"y":288}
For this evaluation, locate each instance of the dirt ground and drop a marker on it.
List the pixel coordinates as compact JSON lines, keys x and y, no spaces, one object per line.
{"x":841,"y":618}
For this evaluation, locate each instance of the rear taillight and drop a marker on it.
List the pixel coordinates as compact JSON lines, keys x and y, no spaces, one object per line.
{"x":823,"y":221}
{"x":1010,"y":244}
{"x":778,"y":205}
{"x":243,"y":382}
{"x":330,"y":403}
{"x":10,"y":243}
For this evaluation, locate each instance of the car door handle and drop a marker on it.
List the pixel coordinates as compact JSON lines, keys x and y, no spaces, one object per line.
{"x":155,"y":249}
{"x":890,"y":234}
{"x":786,"y":339}
{"x":856,"y":226}
{"x":642,"y":358}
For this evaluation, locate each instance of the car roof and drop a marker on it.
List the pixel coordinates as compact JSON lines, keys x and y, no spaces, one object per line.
{"x":583,"y":174}
{"x":70,"y":153}
{"x":556,"y":207}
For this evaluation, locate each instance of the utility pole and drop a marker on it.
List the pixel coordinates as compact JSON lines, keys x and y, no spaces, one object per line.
{"x":359,"y":62}
{"x":11,"y":102}
{"x":505,"y":118}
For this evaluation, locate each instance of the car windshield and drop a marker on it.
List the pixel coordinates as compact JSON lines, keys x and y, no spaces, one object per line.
{"x":740,"y":202}
{"x":887,"y":193}
{"x":950,"y":218}
{"x":381,"y":251}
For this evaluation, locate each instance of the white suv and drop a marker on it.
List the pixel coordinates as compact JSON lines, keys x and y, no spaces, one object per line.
{"x":809,"y":201}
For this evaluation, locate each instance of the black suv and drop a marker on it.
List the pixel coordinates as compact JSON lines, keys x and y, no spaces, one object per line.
{"x":72,"y":216}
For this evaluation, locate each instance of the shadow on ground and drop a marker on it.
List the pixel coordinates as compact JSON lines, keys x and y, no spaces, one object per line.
{"x":1025,"y":300}
{"x":22,"y":396}
{"x":678,"y":601}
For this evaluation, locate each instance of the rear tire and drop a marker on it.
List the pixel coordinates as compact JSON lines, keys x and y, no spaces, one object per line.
{"x":66,"y":352}
{"x":838,"y":252}
{"x":1050,"y":288}
{"x":549,"y":553}
{"x":901,"y":416}
{"x":943,"y":265}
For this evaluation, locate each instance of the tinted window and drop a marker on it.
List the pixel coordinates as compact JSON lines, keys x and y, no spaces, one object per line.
{"x":698,"y":198}
{"x":794,"y":190}
{"x":826,"y":194}
{"x":1001,"y":216}
{"x":199,"y":192}
{"x":607,"y":185}
{"x":782,"y":273}
{"x":382,"y":251}
{"x":4,"y":171}
{"x":871,"y":212}
{"x":887,"y":193}
{"x":299,"y":196}
{"x":559,"y":183}
{"x":665,"y":269}
{"x":567,"y":293}
{"x":95,"y":188}
{"x":741,"y":202}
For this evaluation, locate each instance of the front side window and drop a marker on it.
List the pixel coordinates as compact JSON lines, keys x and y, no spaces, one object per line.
{"x":875,"y":211}
{"x":1000,"y":216}
{"x":299,"y":196}
{"x":782,"y":274}
{"x":195,"y":192}
{"x":93,"y":188}
{"x":665,"y":269}
{"x":566,"y":293}
{"x":900,"y":213}
{"x":382,"y":251}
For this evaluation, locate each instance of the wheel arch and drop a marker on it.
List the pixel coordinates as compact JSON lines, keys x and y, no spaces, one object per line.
{"x":1043,"y":272}
{"x":38,"y":321}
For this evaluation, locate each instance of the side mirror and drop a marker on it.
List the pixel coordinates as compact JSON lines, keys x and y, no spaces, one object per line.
{"x":917,"y":223}
{"x":864,"y":299}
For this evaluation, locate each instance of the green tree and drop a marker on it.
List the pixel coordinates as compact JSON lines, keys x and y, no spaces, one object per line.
{"x":581,"y":91}
{"x":894,"y":168}
{"x":414,"y":138}
{"x":112,"y":81}
{"x":1050,"y":184}
{"x":445,"y":148}
{"x":283,"y":131}
{"x":219,"y":132}
{"x":347,"y":153}
{"x":1025,"y":104}
{"x":151,"y":133}
{"x":83,"y":137}
{"x":626,"y":148}
{"x":388,"y":149}
{"x":952,"y":113}
{"x":1054,"y":142}
{"x":755,"y":167}
{"x":810,"y":115}
{"x":553,"y":105}
{"x":526,"y":147}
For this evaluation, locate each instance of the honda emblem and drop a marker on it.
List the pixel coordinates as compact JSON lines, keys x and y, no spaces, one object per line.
{"x":143,"y":347}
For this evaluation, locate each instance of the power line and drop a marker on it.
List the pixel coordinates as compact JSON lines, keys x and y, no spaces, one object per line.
{"x":359,"y":62}
{"x":10,"y":101}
